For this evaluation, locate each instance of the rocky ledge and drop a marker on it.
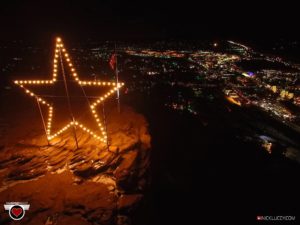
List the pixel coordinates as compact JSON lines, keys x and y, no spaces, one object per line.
{"x":64,"y":185}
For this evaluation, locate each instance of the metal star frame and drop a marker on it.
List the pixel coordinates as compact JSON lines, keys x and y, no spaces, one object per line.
{"x":60,"y":52}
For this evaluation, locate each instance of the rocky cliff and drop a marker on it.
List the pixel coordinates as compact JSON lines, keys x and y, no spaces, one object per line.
{"x":64,"y":185}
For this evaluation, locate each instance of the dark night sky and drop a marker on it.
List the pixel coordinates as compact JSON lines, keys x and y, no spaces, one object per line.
{"x":147,"y":19}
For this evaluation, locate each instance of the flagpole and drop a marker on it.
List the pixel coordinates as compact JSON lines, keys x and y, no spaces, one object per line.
{"x":117,"y":78}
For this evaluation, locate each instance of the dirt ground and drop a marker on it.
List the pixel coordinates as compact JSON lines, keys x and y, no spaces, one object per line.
{"x":65,"y":185}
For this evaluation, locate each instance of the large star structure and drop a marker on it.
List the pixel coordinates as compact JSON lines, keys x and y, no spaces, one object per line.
{"x":59,"y":53}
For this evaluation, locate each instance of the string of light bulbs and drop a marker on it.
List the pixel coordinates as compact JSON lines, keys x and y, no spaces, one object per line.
{"x":61,"y":51}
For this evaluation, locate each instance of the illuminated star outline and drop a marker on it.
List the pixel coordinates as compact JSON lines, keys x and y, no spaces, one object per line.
{"x":60,"y":51}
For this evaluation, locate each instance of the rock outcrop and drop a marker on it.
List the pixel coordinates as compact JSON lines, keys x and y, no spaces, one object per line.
{"x":64,"y":185}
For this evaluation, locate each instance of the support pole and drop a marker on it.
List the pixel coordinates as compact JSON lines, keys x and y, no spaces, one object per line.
{"x":68,"y":97}
{"x":117,"y":78}
{"x":41,"y":113}
{"x":105,"y":125}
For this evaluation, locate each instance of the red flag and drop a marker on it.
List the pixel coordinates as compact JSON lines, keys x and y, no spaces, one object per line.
{"x":112,"y":61}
